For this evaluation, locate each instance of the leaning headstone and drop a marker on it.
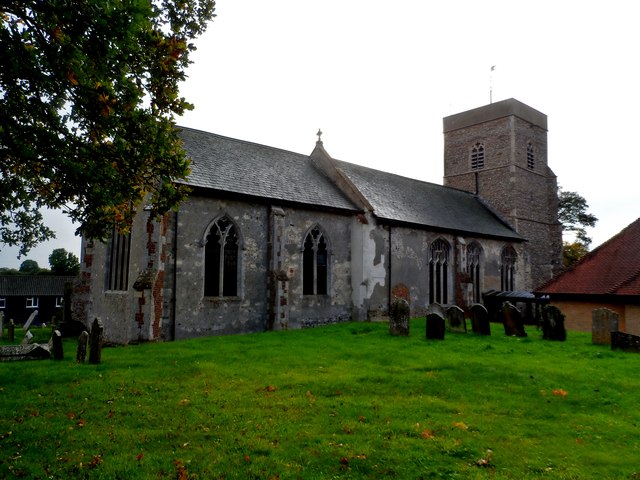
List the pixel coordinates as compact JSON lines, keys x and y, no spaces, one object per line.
{"x":553,"y":324}
{"x":83,"y":340}
{"x":58,"y":352}
{"x":512,"y":320}
{"x":480,"y":319}
{"x":435,"y":308}
{"x":28,"y":323}
{"x":11,"y":331}
{"x":455,"y":319}
{"x":399,"y":318}
{"x":625,"y":341}
{"x":435,"y":326}
{"x":27,"y":338}
{"x":95,"y":341}
{"x":603,"y":322}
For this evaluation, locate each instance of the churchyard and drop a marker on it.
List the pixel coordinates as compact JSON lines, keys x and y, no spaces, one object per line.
{"x":343,"y":401}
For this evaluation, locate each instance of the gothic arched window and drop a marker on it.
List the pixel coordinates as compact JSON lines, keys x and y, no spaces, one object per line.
{"x":531,"y":159}
{"x":315,"y":260}
{"x":474,"y":252}
{"x":477,"y":157}
{"x":508,"y":269}
{"x":221,"y":260}
{"x":438,"y":272}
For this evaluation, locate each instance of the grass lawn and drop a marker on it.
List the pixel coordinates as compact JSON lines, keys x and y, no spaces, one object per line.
{"x":345,"y":401}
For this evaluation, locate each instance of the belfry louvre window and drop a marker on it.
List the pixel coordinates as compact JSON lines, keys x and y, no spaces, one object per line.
{"x":477,"y":157}
{"x":531,"y":159}
{"x":473,"y":269}
{"x":221,"y":260}
{"x":508,"y":269}
{"x":315,"y":260}
{"x":118,"y":261}
{"x":438,"y":272}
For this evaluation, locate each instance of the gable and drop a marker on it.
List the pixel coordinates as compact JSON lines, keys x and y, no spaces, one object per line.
{"x":613,"y":268}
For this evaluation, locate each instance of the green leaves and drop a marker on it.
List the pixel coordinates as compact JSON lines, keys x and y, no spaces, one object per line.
{"x":88,"y":96}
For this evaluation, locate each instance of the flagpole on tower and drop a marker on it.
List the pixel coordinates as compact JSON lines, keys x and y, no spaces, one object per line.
{"x":493,"y":67}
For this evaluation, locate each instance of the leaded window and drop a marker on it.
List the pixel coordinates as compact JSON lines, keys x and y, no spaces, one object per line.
{"x":315,"y":260}
{"x":221,"y":260}
{"x":438,"y":272}
{"x":474,"y":252}
{"x":118,"y":253}
{"x":508,"y":269}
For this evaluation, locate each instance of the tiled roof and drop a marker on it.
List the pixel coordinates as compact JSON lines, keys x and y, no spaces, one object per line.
{"x":235,"y":166}
{"x":238,"y":167}
{"x":32,"y":285}
{"x":406,"y":200}
{"x":611,"y":269}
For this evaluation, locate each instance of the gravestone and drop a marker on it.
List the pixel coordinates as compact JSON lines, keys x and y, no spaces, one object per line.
{"x":33,"y":351}
{"x":27,"y":338}
{"x":11,"y":331}
{"x":435,"y":326}
{"x":603,"y":322}
{"x":625,"y":341}
{"x":553,"y":324}
{"x":83,"y":340}
{"x":1,"y":325}
{"x":455,"y":319}
{"x":56,"y":343}
{"x":399,"y":317}
{"x":480,"y":319}
{"x":512,"y":320}
{"x":28,"y":323}
{"x":435,"y":308}
{"x":95,"y":341}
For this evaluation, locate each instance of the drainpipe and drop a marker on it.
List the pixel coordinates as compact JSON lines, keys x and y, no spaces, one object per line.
{"x":174,"y":279}
{"x":389,"y":286}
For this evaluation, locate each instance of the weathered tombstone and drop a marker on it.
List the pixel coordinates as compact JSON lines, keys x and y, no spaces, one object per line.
{"x":27,"y":338}
{"x":95,"y":341}
{"x":56,"y":340}
{"x":512,"y":320}
{"x":603,"y":322}
{"x":399,"y":318}
{"x":11,"y":331}
{"x":435,"y":308}
{"x":33,"y":351}
{"x":28,"y":323}
{"x":435,"y":326}
{"x":1,"y":325}
{"x":83,"y":340}
{"x":553,"y":324}
{"x":480,"y":319}
{"x":455,"y":319}
{"x":625,"y":341}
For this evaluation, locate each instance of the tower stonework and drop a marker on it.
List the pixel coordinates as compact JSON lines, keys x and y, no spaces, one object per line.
{"x":499,"y":152}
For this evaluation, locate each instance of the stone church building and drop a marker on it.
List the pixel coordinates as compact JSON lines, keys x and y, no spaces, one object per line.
{"x":271,"y":239}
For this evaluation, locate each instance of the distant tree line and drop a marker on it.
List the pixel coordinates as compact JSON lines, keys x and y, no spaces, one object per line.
{"x":61,"y":262}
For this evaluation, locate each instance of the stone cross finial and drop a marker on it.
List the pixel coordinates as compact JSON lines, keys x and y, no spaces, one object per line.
{"x":319,"y":136}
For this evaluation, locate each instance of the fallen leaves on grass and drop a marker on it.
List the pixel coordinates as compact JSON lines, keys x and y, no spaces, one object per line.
{"x":486,"y":460}
{"x":427,"y":434}
{"x":559,"y":392}
{"x":460,"y":425}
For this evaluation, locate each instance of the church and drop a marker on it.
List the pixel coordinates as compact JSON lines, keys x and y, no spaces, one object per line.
{"x":270,"y":239}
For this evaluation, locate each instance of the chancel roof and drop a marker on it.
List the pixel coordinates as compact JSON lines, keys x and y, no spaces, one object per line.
{"x":244,"y":168}
{"x":249,"y":169}
{"x":406,"y":200}
{"x":611,"y":269}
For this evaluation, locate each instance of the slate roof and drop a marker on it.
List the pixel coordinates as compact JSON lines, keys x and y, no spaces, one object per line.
{"x":236,"y":166}
{"x":611,"y":269}
{"x":33,"y":285}
{"x":407,"y":200}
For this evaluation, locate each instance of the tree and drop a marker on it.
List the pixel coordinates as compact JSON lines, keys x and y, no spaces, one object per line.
{"x":88,"y":96}
{"x":30,"y":267}
{"x":63,"y":262}
{"x":572,"y":214}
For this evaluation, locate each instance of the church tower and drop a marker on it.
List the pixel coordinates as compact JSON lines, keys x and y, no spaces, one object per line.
{"x":499,"y":152}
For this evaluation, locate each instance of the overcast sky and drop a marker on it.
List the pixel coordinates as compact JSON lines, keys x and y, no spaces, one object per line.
{"x":378,"y":77}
